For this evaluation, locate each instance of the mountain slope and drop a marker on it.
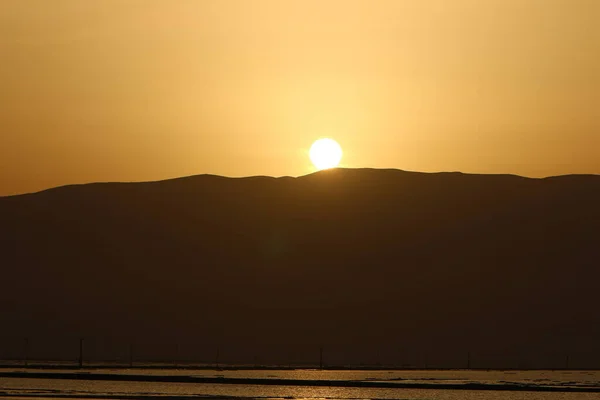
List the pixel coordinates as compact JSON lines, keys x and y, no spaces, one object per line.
{"x":375,"y":265}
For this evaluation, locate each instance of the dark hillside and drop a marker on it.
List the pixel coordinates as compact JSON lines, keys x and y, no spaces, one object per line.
{"x":377,"y":265}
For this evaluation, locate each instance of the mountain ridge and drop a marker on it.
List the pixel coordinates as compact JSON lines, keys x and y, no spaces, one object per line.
{"x":286,"y":177}
{"x":365,"y":262}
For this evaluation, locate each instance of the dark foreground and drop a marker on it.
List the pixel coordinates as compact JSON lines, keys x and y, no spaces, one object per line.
{"x":377,"y":267}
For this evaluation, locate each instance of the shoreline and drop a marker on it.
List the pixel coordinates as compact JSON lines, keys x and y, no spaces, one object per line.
{"x":299,"y":382}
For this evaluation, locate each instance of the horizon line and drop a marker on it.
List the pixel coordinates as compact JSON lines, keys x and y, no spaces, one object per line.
{"x":293,"y":177}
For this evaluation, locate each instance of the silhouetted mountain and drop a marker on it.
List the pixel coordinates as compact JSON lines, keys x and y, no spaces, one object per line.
{"x":375,"y":265}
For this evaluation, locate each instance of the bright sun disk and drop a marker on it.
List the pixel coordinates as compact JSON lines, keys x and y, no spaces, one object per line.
{"x":325,"y":153}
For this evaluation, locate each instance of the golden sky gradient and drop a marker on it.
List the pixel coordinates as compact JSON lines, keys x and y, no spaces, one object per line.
{"x":124,"y":90}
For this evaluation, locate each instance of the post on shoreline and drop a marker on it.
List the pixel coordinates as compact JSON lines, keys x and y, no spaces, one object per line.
{"x":321,"y":357}
{"x":26,"y":353}
{"x":81,"y":353}
{"x":130,"y":355}
{"x":176,"y":358}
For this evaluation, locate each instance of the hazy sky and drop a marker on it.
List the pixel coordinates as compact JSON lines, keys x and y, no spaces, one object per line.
{"x":144,"y":90}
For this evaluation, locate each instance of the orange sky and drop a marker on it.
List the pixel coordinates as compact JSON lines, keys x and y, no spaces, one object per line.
{"x":124,"y":90}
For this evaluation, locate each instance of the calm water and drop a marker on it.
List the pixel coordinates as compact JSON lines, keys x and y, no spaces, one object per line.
{"x":48,"y":388}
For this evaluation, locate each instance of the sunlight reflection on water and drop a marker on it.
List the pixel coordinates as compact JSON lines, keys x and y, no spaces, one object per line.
{"x":74,"y":388}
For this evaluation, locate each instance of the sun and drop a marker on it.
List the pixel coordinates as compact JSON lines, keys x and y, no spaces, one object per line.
{"x":325,"y":153}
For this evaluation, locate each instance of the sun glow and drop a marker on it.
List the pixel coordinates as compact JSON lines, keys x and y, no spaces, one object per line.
{"x":325,"y":153}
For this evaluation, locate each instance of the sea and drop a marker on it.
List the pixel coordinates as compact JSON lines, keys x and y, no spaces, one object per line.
{"x":19,"y":383}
